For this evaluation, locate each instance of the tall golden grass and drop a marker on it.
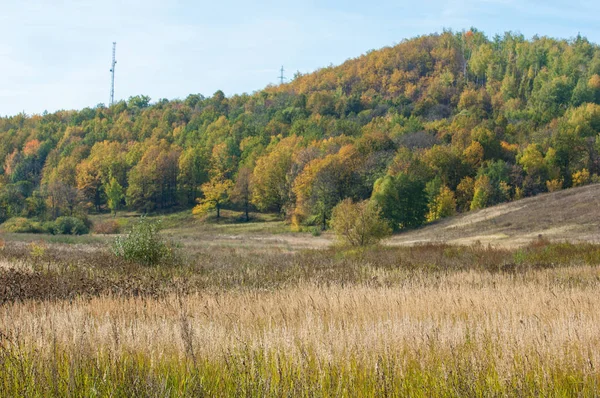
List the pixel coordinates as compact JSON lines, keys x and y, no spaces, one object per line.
{"x":465,"y":333}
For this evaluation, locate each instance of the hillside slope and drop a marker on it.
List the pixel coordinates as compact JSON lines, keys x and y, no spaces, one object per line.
{"x":571,"y":215}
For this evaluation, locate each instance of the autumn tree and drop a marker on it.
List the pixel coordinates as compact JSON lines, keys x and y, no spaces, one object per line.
{"x":153,"y":180}
{"x":216,"y":193}
{"x":464,"y":194}
{"x":272,"y":185}
{"x":241,"y":193}
{"x":443,"y":205}
{"x":62,"y":198}
{"x":322,"y":184}
{"x":114,"y":194}
{"x":106,"y":160}
{"x":192,"y":173}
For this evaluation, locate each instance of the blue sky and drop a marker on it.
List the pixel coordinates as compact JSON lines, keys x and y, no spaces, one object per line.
{"x":56,"y":54}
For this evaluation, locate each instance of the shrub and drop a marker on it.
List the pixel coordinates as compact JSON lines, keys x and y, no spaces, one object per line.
{"x":48,"y":227}
{"x":23,"y":225}
{"x":554,"y":185}
{"x":144,"y":244}
{"x":358,"y":224}
{"x":107,"y":227}
{"x":70,"y":226}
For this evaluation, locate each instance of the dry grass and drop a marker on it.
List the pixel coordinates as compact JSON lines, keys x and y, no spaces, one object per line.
{"x":571,"y":215}
{"x":549,"y":313}
{"x":490,"y":328}
{"x":419,"y":321}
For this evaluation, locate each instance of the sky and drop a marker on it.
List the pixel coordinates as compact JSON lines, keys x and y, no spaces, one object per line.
{"x":56,"y":54}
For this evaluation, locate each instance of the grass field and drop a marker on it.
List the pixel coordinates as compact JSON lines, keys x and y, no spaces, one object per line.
{"x":431,"y":320}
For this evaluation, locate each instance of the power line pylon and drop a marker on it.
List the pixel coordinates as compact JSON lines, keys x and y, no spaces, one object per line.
{"x":112,"y":72}
{"x":282,"y":78}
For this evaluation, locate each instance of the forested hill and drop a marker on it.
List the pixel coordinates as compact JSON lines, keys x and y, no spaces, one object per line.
{"x":434,"y":125}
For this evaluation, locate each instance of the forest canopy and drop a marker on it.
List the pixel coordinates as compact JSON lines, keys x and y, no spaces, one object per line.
{"x":435,"y":125}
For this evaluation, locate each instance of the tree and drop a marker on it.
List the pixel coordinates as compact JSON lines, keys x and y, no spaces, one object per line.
{"x":272,"y":185}
{"x":192,"y":173}
{"x":446,"y":162}
{"x":106,"y":160}
{"x":89,"y":182}
{"x":322,"y":184}
{"x":216,"y":194}
{"x":532,"y":161}
{"x":443,"y":205}
{"x":242,"y":190}
{"x":483,"y":192}
{"x":143,"y":190}
{"x":114,"y":194}
{"x":581,"y":177}
{"x":464,"y":193}
{"x":402,"y":200}
{"x":62,"y":198}
{"x":153,"y":180}
{"x":358,"y":224}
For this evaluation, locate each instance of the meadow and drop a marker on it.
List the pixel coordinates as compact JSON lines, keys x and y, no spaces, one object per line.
{"x":426,"y":320}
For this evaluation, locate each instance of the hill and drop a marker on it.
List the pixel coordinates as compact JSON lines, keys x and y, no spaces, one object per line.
{"x":571,"y":215}
{"x":451,"y":122}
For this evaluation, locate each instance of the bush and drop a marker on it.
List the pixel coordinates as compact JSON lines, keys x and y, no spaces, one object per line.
{"x":23,"y":225}
{"x":359,"y":224}
{"x":107,"y":227}
{"x":70,"y":226}
{"x":144,"y":244}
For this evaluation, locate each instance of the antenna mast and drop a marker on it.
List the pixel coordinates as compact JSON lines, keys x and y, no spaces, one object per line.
{"x":281,"y":77}
{"x":112,"y":73}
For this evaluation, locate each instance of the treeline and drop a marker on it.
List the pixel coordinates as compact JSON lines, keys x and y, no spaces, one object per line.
{"x":435,"y":125}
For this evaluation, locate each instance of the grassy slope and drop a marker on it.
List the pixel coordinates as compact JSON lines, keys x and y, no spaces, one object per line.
{"x":570,"y":215}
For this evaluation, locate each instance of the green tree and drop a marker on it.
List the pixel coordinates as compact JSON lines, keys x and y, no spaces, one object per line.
{"x":483,"y":192}
{"x":402,"y":199}
{"x":114,"y":194}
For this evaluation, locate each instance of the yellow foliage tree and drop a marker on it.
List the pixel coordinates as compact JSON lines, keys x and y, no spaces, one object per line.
{"x":216,"y":194}
{"x":464,"y":193}
{"x":272,"y":183}
{"x":444,"y":205}
{"x":581,"y":177}
{"x":474,"y":155}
